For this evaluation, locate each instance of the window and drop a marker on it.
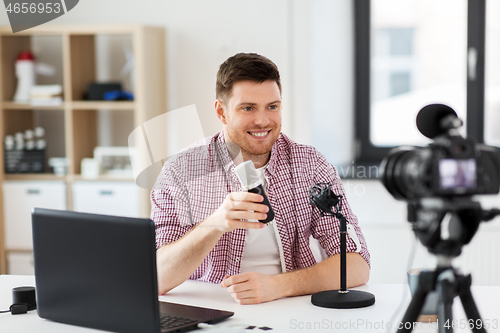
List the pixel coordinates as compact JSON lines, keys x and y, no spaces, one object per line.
{"x":392,"y":62}
{"x":411,"y":53}
{"x":492,"y":75}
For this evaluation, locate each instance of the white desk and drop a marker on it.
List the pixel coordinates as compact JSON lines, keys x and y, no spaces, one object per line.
{"x":295,"y":314}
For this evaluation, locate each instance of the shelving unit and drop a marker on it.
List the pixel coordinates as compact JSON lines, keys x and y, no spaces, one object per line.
{"x":78,"y":118}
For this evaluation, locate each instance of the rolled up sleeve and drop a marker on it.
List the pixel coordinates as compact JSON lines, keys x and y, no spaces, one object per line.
{"x":170,"y":210}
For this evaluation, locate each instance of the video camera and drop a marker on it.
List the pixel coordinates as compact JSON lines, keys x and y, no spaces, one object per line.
{"x":450,"y":166}
{"x":438,"y":182}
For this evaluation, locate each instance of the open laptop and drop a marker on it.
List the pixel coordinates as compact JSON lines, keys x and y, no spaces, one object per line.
{"x":99,"y":271}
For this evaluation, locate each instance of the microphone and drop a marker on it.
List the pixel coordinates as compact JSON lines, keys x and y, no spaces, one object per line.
{"x":436,"y":119}
{"x":324,"y":199}
{"x":250,"y":181}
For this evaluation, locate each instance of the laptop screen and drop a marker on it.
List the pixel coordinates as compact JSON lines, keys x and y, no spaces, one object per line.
{"x":96,"y":271}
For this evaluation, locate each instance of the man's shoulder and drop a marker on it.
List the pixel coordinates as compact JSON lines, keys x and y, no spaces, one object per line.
{"x":203,"y":143}
{"x":285,"y":145}
{"x":198,"y":149}
{"x":304,"y":161}
{"x":197,"y":158}
{"x":298,"y":157}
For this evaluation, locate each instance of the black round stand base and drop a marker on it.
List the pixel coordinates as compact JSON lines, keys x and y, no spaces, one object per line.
{"x":343,"y":300}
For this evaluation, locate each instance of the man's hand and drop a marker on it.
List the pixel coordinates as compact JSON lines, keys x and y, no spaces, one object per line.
{"x":252,"y":287}
{"x":178,"y":260}
{"x":236,"y":210}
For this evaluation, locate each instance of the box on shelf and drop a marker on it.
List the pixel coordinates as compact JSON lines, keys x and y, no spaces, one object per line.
{"x":25,"y":161}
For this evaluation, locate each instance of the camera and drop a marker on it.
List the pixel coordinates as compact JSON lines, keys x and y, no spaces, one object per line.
{"x":450,"y":166}
{"x":438,"y":182}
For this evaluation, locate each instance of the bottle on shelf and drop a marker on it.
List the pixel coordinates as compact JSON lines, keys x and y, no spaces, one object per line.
{"x":26,"y":77}
{"x":9,"y":142}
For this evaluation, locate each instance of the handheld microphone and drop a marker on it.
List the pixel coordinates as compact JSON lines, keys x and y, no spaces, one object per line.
{"x":250,"y":181}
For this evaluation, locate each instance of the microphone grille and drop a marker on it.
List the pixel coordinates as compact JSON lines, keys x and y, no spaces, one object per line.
{"x":429,"y":119}
{"x":247,"y":174}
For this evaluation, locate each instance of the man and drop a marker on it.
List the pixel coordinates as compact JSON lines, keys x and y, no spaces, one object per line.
{"x":206,"y":226}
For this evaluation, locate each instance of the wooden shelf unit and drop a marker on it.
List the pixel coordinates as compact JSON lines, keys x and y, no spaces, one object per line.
{"x":23,"y":106}
{"x":79,"y":116}
{"x":34,"y":176}
{"x":75,"y":105}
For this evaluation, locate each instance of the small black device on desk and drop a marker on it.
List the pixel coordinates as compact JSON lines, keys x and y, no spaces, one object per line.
{"x":99,"y":271}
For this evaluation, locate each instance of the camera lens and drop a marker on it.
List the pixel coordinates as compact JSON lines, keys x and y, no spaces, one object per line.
{"x":406,"y":172}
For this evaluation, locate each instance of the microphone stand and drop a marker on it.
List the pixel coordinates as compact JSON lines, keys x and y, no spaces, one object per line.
{"x":323,"y":198}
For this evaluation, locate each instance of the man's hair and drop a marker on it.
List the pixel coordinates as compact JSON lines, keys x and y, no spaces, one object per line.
{"x":244,"y":67}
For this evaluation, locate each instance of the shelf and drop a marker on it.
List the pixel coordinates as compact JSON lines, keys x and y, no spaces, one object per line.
{"x":76,"y":105}
{"x":19,"y":250}
{"x":33,"y":176}
{"x":25,"y":106}
{"x":74,"y":29}
{"x":104,"y":178}
{"x":109,"y":105}
{"x":50,"y":176}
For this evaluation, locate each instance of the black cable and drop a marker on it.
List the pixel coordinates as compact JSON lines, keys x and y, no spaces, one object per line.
{"x":18,"y":308}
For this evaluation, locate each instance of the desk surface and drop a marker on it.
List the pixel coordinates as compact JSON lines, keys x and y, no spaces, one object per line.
{"x":295,"y":314}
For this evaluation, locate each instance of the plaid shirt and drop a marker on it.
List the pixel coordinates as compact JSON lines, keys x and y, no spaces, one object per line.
{"x":194,"y":183}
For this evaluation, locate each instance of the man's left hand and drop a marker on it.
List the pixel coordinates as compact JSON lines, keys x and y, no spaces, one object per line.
{"x":252,"y":287}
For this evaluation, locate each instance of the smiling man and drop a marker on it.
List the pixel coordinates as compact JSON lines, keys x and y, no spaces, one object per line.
{"x":206,"y":226}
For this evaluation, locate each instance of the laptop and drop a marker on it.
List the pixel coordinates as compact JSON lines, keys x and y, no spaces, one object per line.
{"x":99,"y":271}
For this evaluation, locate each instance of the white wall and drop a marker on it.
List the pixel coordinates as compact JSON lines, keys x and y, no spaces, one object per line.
{"x":201,"y":34}
{"x":332,"y":79}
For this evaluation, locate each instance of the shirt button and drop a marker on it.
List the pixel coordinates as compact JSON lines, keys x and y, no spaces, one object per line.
{"x":237,"y":259}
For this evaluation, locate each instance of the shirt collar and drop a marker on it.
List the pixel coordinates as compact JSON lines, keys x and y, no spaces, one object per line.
{"x":223,"y":152}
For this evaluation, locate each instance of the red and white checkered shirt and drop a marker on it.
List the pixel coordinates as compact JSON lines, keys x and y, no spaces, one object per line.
{"x":194,"y":183}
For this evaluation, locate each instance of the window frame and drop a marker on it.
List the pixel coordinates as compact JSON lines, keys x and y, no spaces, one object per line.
{"x":365,"y":151}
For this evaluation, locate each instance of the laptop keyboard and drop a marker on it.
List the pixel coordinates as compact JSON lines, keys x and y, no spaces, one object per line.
{"x":170,"y":322}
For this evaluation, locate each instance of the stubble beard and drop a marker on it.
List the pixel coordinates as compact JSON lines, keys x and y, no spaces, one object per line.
{"x":249,"y":150}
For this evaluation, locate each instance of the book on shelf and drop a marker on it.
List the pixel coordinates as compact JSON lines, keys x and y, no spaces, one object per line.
{"x":46,"y":95}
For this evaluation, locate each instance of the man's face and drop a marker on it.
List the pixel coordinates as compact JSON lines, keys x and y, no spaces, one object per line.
{"x":252,"y":116}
